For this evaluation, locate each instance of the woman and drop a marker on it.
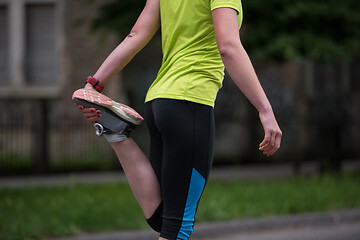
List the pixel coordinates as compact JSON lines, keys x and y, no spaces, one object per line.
{"x":199,"y":38}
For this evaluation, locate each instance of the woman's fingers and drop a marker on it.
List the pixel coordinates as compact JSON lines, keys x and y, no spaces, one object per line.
{"x":271,"y":142}
{"x":92,"y":118}
{"x":266,"y":140}
{"x":273,"y":134}
{"x":91,"y":114}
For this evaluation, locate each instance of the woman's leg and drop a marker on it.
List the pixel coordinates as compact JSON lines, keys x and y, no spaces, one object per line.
{"x":140,"y":175}
{"x":138,"y":170}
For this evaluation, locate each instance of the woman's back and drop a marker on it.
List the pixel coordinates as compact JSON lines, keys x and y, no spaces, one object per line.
{"x":192,"y":68}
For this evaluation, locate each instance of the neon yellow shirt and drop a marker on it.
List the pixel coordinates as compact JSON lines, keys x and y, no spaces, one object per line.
{"x":192,"y":68}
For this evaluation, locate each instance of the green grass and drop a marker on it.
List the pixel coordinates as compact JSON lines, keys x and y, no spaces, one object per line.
{"x":34,"y":213}
{"x":222,"y":201}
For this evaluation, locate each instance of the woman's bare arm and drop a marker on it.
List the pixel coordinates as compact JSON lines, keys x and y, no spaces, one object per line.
{"x":239,"y":66}
{"x":144,"y":29}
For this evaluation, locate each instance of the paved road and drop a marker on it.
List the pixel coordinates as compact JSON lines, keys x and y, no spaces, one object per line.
{"x":329,"y":232}
{"x":347,"y":231}
{"x":336,"y":225}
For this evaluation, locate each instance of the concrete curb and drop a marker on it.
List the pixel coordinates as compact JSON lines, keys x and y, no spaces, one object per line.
{"x":226,"y":173}
{"x":61,"y":179}
{"x":210,"y":230}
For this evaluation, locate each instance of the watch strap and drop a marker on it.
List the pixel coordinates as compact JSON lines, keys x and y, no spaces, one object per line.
{"x":95,"y":83}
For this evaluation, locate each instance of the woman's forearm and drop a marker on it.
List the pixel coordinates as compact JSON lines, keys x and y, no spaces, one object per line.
{"x":120,"y":57}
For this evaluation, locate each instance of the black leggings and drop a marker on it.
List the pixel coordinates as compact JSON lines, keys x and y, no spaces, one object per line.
{"x":181,"y":151}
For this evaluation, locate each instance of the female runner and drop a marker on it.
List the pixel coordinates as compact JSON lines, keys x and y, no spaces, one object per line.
{"x":199,"y":39}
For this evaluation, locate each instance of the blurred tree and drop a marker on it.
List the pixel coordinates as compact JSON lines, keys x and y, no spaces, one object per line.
{"x":323,"y":31}
{"x":287,"y":30}
{"x":117,"y":16}
{"x":274,"y":30}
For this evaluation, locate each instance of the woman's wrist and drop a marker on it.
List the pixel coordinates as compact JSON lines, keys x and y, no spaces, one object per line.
{"x":88,"y":85}
{"x":265,"y":108}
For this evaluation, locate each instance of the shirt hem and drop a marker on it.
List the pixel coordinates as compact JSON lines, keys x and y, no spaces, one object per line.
{"x":181,"y":97}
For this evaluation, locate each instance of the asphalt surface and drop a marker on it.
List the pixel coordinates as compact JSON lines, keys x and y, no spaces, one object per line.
{"x":336,"y":225}
{"x":330,"y":232}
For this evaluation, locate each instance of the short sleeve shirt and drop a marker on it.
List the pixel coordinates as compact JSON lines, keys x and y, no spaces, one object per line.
{"x":192,"y":68}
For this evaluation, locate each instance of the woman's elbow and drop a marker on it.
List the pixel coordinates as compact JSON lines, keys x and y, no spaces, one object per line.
{"x":229,"y":49}
{"x":133,"y":33}
{"x":140,"y":35}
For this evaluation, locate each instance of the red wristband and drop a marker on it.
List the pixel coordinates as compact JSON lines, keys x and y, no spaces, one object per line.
{"x":95,"y":83}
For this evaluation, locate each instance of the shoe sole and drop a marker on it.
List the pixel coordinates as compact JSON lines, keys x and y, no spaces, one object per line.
{"x":107,"y":106}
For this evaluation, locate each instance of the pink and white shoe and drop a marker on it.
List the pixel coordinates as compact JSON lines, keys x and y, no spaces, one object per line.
{"x":115,"y":117}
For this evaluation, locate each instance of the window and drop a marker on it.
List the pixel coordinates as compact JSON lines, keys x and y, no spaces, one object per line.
{"x":29,"y":48}
{"x":40,"y":45}
{"x":4,"y":46}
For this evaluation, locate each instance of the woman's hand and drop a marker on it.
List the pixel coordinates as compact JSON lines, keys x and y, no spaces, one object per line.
{"x":273,"y":134}
{"x":91,"y":114}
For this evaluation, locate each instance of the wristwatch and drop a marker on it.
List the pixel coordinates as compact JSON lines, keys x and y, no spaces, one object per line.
{"x":95,"y":83}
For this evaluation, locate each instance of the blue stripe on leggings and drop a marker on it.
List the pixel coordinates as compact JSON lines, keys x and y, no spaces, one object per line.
{"x":197,"y":184}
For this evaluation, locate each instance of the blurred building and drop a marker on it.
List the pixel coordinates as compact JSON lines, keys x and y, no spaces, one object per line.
{"x":47,"y":50}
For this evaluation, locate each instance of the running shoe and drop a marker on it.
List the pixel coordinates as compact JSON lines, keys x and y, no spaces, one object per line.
{"x":115,"y":117}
